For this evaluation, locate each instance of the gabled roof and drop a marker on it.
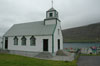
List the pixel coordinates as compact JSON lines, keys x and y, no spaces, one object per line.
{"x":51,"y":9}
{"x":33,"y":28}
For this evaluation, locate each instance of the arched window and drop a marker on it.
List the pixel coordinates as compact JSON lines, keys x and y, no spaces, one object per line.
{"x":32,"y":41}
{"x":23,"y":40}
{"x":15,"y":40}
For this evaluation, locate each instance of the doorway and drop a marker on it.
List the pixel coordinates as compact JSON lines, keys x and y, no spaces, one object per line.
{"x":6,"y":43}
{"x":58,"y":44}
{"x":45,"y":44}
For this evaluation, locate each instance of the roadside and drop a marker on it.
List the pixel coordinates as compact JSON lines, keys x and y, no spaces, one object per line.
{"x":89,"y":61}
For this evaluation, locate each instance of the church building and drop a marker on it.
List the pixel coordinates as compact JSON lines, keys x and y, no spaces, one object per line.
{"x":37,"y":36}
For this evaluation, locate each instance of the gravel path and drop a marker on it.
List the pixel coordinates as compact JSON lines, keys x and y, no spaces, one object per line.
{"x":89,"y":61}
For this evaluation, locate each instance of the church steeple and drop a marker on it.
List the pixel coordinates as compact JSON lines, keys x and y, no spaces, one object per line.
{"x":51,"y":16}
{"x":51,"y":13}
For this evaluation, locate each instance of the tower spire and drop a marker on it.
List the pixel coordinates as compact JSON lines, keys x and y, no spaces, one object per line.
{"x":52,"y":3}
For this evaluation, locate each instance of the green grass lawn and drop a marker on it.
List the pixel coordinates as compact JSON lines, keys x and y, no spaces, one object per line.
{"x":16,"y":60}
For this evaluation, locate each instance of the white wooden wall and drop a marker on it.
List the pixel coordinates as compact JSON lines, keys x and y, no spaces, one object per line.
{"x":58,"y":36}
{"x":37,"y":48}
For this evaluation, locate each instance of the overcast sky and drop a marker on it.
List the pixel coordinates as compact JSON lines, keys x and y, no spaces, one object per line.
{"x":72,"y":13}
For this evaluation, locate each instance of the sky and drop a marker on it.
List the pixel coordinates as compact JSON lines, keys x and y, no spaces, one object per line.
{"x":72,"y":13}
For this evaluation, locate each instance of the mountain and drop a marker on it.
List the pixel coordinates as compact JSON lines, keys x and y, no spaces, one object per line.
{"x":88,"y":33}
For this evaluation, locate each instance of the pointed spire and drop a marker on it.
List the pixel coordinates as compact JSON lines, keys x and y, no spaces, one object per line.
{"x":52,"y":3}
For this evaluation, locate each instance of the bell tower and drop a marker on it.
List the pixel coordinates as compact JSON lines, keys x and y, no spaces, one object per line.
{"x":51,"y":16}
{"x":51,"y":13}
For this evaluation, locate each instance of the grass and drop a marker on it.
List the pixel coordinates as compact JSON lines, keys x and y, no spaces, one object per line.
{"x":16,"y":60}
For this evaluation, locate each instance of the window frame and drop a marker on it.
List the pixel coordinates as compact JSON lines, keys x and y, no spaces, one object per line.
{"x":32,"y":41}
{"x":15,"y":40}
{"x":50,"y":14}
{"x":58,"y":31}
{"x":23,"y":41}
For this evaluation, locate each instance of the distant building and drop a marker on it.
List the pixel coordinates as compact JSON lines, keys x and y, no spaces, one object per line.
{"x":37,"y":36}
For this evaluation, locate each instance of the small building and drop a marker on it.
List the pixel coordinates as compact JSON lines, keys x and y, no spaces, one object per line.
{"x":37,"y":36}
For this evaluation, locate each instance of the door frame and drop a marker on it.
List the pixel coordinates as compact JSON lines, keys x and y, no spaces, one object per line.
{"x":6,"y":42}
{"x":58,"y":44}
{"x":45,"y":46}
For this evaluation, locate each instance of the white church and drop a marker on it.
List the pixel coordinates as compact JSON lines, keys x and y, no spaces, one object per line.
{"x":37,"y":36}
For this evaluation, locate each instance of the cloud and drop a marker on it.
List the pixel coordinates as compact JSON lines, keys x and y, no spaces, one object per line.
{"x":72,"y":13}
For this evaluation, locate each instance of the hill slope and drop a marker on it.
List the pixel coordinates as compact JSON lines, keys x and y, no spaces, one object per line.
{"x":89,"y":33}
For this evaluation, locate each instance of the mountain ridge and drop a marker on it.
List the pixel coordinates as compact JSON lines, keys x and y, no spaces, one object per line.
{"x":87,"y":33}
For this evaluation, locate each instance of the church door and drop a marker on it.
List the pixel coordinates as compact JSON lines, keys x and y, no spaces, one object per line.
{"x":58,"y":44}
{"x":45,"y":44}
{"x":6,"y":43}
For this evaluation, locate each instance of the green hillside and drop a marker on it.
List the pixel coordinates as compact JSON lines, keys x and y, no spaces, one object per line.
{"x":88,"y":33}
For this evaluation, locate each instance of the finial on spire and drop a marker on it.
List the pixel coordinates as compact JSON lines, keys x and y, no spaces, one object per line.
{"x":52,"y":3}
